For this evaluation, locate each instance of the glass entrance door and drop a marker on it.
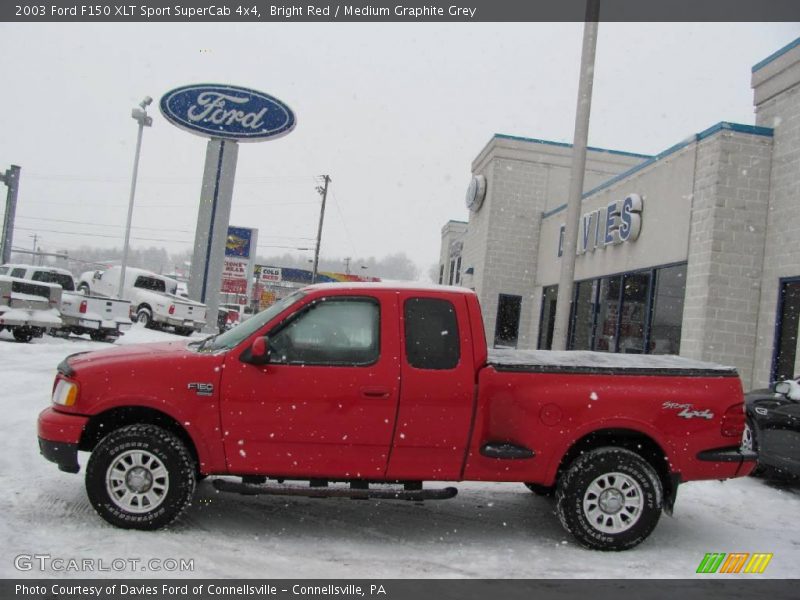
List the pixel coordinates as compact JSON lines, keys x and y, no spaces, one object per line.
{"x":785,"y":356}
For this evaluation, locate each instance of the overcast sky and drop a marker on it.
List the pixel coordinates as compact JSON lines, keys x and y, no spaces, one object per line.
{"x":394,"y":113}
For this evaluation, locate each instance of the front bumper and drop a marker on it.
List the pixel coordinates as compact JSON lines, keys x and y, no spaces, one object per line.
{"x":59,"y":438}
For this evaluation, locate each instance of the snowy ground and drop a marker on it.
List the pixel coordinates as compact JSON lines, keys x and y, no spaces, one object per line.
{"x":487,"y":531}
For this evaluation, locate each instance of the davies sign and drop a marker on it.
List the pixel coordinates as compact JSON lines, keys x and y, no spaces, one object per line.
{"x":617,"y":223}
{"x":227,"y":112}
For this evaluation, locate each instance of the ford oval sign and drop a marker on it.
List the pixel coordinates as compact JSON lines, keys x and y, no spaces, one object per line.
{"x":227,"y":112}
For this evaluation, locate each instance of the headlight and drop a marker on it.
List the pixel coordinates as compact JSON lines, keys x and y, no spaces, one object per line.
{"x":65,"y":393}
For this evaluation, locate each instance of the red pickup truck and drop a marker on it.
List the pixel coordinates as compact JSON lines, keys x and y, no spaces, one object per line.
{"x":367,"y":391}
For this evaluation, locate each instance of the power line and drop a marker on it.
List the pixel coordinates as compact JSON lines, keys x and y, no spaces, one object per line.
{"x":344,"y":223}
{"x":287,"y":237}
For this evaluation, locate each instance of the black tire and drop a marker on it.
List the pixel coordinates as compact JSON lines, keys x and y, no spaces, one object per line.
{"x":541,"y":490}
{"x":145,"y":316}
{"x":628,"y":486}
{"x":161,"y":452}
{"x":98,"y":336}
{"x":23,"y":334}
{"x":184,"y":331}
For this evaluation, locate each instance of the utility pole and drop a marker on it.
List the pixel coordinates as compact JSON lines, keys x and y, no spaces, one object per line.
{"x":35,"y":253}
{"x":583,"y":110}
{"x":347,"y":265}
{"x":11,"y":179}
{"x":324,"y":192}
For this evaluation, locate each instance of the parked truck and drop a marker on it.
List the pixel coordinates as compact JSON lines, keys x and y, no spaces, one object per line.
{"x":154,"y":299}
{"x":28,"y":309}
{"x":104,"y":319}
{"x":369,"y":391}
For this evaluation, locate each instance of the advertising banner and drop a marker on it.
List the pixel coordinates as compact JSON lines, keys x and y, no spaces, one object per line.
{"x":238,"y":267}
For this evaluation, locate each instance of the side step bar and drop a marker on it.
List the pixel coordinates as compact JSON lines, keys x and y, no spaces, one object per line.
{"x":358,"y":491}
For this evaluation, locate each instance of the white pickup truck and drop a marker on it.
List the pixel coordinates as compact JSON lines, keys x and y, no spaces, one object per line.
{"x":104,"y":319}
{"x":27,"y":309}
{"x":154,"y":300}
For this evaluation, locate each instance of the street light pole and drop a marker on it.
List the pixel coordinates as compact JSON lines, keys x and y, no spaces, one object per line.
{"x":139,"y":114}
{"x":580,"y":139}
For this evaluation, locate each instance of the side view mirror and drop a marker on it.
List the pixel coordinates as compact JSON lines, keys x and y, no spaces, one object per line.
{"x":783,"y":387}
{"x":258,"y":353}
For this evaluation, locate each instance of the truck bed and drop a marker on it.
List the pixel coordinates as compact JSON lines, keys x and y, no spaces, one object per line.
{"x":585,"y":362}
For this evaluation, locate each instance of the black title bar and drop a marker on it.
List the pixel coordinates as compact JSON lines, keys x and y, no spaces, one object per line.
{"x":370,"y":11}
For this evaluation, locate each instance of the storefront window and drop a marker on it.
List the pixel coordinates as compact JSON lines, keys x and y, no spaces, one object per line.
{"x":605,"y":339}
{"x":665,"y":332}
{"x":548,"y":317}
{"x":583,"y":316}
{"x":635,"y":292}
{"x":634,"y":313}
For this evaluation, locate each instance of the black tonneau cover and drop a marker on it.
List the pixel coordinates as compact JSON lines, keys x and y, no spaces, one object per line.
{"x":605,"y":363}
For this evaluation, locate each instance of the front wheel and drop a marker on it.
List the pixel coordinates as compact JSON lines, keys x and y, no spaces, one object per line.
{"x":750,"y":442}
{"x":609,"y":499}
{"x":140,"y":477}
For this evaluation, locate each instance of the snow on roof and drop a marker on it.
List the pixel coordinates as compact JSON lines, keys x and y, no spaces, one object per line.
{"x":597,"y":360}
{"x":390,"y":285}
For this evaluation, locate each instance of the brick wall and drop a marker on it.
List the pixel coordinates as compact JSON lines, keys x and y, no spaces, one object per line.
{"x":726,"y":250}
{"x":782,"y":251}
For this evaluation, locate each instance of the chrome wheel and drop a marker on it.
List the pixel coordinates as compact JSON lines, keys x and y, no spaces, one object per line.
{"x":137,"y":481}
{"x":747,"y":438}
{"x":613,"y":502}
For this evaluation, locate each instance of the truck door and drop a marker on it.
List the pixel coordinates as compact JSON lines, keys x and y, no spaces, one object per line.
{"x":438,"y":392}
{"x":325,"y":405}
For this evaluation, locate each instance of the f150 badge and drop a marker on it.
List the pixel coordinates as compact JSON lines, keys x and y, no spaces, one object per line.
{"x":687,"y":411}
{"x":202,"y":389}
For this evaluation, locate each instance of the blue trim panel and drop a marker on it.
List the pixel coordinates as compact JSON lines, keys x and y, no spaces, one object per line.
{"x":517,"y":138}
{"x":723,"y":125}
{"x":213,"y":218}
{"x":776,"y":54}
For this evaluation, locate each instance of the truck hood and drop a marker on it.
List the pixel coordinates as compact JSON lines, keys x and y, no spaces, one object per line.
{"x":135,"y":353}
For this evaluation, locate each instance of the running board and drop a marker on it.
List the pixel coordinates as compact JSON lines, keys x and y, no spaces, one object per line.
{"x":359,"y":491}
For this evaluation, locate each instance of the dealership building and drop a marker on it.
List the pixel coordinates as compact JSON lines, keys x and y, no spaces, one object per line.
{"x":694,"y":251}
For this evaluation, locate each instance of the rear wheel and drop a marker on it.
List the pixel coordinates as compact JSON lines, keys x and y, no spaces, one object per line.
{"x":145,"y":317}
{"x":185,"y":331}
{"x":23,"y":334}
{"x":140,"y":477}
{"x":609,"y":499}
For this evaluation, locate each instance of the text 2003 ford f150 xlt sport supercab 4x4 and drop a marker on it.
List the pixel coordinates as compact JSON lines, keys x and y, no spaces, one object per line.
{"x":371,"y":384}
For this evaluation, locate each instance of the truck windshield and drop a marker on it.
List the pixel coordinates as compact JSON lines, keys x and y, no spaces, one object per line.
{"x":235,"y":336}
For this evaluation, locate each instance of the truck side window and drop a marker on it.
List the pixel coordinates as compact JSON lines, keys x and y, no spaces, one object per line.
{"x":18,"y":273}
{"x":431,"y":334}
{"x":150,"y":283}
{"x":334,"y":331}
